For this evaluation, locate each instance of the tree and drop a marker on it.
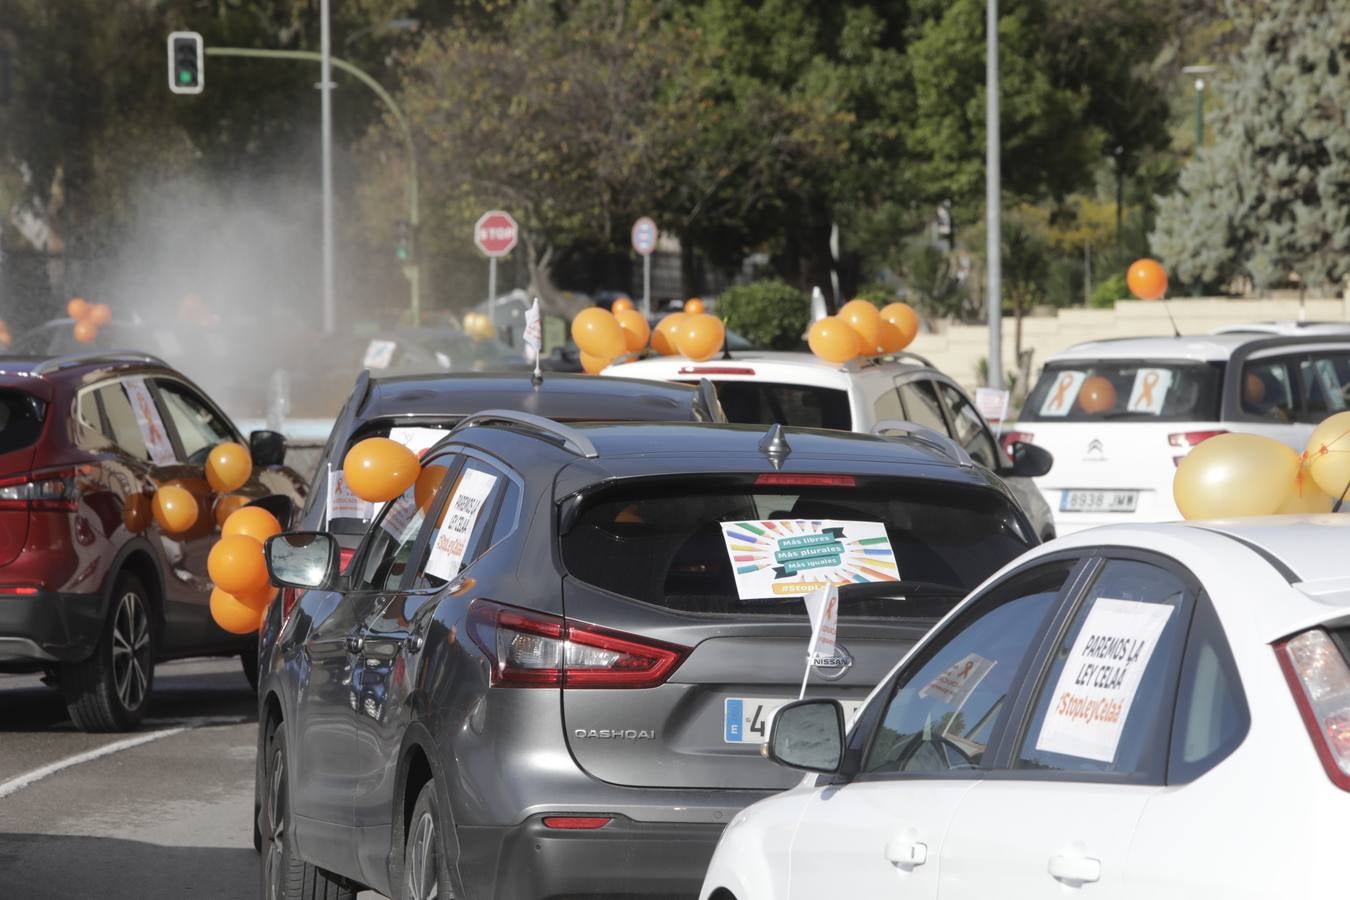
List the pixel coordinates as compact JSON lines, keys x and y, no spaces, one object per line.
{"x":1271,"y":197}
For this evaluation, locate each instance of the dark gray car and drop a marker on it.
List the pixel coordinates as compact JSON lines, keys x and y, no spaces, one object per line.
{"x":572,"y":704}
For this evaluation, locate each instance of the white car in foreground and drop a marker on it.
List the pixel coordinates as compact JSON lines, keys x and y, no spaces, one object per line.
{"x":1119,"y":415}
{"x":869,"y":395}
{"x":1144,"y":711}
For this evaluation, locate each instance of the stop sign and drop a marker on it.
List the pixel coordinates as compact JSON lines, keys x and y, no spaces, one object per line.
{"x":495,"y":234}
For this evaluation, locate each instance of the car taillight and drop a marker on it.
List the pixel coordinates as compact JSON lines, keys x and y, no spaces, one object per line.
{"x":577,"y":823}
{"x":51,"y":490}
{"x":345,"y":555}
{"x":288,"y":598}
{"x":536,"y":650}
{"x":1186,"y":440}
{"x":780,"y":479}
{"x":1319,"y":678}
{"x":1015,"y":437}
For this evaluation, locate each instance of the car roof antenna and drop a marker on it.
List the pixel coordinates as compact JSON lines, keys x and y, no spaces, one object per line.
{"x":1336,"y":507}
{"x":774,"y":445}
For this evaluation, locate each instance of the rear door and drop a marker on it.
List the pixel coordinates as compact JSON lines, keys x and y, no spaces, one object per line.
{"x":713,"y":570}
{"x":23,"y":414}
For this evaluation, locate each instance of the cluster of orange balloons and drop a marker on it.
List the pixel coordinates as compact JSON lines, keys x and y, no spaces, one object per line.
{"x":693,"y":333}
{"x":860,"y":329}
{"x":89,"y":317}
{"x":1252,"y":475}
{"x":238,"y":570}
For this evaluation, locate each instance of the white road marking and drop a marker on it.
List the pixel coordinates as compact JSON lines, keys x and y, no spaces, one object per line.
{"x":17,"y":784}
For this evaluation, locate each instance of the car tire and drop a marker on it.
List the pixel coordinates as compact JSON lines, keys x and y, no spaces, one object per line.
{"x":284,"y":875}
{"x":248,"y":661}
{"x":426,"y":871}
{"x":110,"y":690}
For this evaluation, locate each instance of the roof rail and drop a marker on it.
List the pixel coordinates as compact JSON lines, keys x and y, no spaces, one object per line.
{"x":898,"y":356}
{"x":565,"y":437}
{"x":929,"y":437}
{"x":57,"y":363}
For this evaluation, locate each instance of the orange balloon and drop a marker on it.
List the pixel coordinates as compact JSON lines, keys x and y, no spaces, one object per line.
{"x":663,"y":338}
{"x":863,"y":318}
{"x":636,"y":331}
{"x":174,"y":508}
{"x":136,"y":513}
{"x":428,"y":483}
{"x":1096,"y":395}
{"x":889,"y":338}
{"x":1147,"y":279}
{"x":693,"y":306}
{"x":77,"y":308}
{"x":236,"y":564}
{"x":100,"y":314}
{"x":700,"y":336}
{"x":597,"y":332}
{"x":232,"y":615}
{"x":906,"y":321}
{"x":620,"y":305}
{"x":251,"y":521}
{"x":833,"y":340}
{"x":85,"y":331}
{"x":257,"y":600}
{"x":593,"y":365}
{"x":227,"y":506}
{"x":228,"y":467}
{"x":378,"y":469}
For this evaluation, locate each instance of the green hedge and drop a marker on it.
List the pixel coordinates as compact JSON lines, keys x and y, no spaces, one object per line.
{"x":769,"y":314}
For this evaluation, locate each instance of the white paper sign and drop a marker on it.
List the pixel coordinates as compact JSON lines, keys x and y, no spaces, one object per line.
{"x":1096,"y":688}
{"x":152,"y":428}
{"x":452,"y":540}
{"x":342,"y":503}
{"x":955,"y":684}
{"x":379,"y":354}
{"x":1063,"y":394}
{"x":1149,"y":391}
{"x":992,"y":403}
{"x":793,"y":557}
{"x":417,"y":438}
{"x":533,"y":335}
{"x":823,"y":607}
{"x":400,"y":515}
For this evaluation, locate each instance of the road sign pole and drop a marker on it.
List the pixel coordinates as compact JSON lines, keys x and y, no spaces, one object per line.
{"x":993,"y":198}
{"x":647,"y":286}
{"x":326,"y":122}
{"x":492,"y":290}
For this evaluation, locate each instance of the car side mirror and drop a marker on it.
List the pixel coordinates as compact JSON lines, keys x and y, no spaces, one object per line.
{"x":279,"y":505}
{"x":302,"y":559}
{"x":808,"y":735}
{"x":268,"y":448}
{"x":1029,"y":460}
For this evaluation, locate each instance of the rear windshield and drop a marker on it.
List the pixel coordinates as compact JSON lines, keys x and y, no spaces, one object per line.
{"x":1087,"y":391}
{"x":800,"y":405}
{"x":737,"y":546}
{"x":20,"y":420}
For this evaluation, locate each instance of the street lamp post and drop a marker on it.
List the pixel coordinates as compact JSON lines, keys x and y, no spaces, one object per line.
{"x":326,"y":106}
{"x":993,"y":199}
{"x":1199,"y":72}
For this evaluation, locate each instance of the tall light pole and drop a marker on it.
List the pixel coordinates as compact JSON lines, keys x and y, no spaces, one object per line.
{"x":326,"y":95}
{"x":1199,"y":72}
{"x":993,"y":198}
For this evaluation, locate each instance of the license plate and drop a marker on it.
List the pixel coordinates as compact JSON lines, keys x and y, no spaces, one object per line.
{"x":747,"y":719}
{"x":1099,"y":501}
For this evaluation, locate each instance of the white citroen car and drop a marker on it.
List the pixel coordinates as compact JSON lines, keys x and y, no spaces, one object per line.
{"x":1119,"y":415}
{"x":870,"y":395}
{"x":1156,"y":711}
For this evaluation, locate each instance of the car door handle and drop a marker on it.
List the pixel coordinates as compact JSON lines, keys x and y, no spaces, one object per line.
{"x":906,"y":853}
{"x":1075,"y":869}
{"x":355,"y":643}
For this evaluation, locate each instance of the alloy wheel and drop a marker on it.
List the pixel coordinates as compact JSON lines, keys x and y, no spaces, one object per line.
{"x":131,"y":650}
{"x":274,"y":870}
{"x":422,"y":881}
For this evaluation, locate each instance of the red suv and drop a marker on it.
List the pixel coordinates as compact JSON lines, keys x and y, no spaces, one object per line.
{"x":92,"y":591}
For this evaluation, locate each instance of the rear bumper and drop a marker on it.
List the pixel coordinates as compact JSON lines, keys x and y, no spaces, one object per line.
{"x":626,"y":858}
{"x":49,"y":626}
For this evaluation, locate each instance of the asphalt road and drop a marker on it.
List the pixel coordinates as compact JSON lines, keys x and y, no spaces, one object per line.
{"x":166,"y":819}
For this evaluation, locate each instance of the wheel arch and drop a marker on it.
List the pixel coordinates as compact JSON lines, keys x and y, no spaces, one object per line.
{"x":418,"y":763}
{"x":136,"y":558}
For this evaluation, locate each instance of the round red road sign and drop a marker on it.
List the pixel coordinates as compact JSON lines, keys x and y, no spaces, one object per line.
{"x":496,"y":233}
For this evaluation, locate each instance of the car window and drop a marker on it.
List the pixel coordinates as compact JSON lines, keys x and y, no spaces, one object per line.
{"x":389,"y":543}
{"x":968,"y":429}
{"x":1124,"y":390}
{"x":1211,"y":716}
{"x":1325,"y":379}
{"x":1105,"y":702}
{"x":922,"y":406}
{"x":198,"y":426}
{"x":1268,"y":390}
{"x":21,"y":418}
{"x":802,"y":405}
{"x":126,"y":431}
{"x":468,"y":510}
{"x":888,"y":406}
{"x":947,"y":704}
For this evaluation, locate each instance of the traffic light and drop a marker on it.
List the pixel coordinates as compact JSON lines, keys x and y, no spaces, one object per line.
{"x":186,"y":72}
{"x":405,"y":241}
